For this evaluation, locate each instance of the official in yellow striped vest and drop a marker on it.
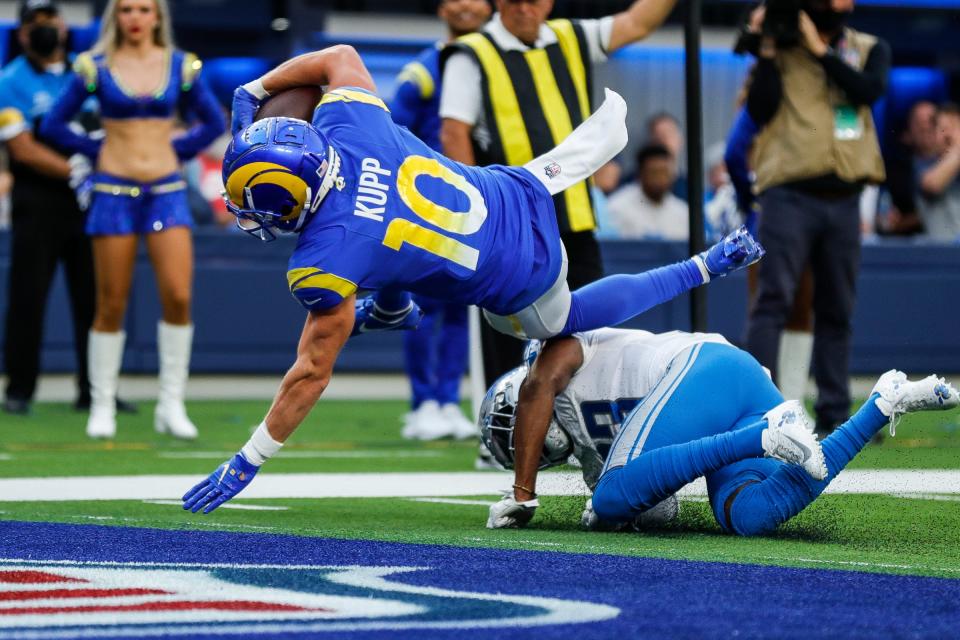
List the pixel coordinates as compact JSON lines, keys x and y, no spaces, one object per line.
{"x":517,"y":88}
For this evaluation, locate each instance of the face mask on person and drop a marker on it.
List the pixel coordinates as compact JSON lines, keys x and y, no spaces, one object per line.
{"x":44,"y":40}
{"x":828,"y":20}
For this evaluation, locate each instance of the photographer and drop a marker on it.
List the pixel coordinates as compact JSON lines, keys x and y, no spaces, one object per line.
{"x":810,"y":94}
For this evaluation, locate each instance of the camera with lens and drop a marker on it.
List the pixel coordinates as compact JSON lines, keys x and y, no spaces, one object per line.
{"x":782,"y":22}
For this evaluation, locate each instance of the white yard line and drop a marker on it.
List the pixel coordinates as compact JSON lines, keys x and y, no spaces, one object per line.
{"x":227,"y":505}
{"x":5,"y":457}
{"x":485,"y":503}
{"x":410,"y":485}
{"x":346,"y":454}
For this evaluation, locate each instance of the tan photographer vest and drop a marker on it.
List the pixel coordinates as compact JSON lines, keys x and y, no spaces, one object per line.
{"x":807,"y":138}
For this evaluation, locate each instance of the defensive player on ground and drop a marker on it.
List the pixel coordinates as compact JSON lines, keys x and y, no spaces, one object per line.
{"x":378,"y":210}
{"x":691,"y":405}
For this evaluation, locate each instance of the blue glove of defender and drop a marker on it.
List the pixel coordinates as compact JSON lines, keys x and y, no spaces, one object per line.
{"x":736,"y":251}
{"x":369,"y":318}
{"x":228,"y":480}
{"x":243,"y":110}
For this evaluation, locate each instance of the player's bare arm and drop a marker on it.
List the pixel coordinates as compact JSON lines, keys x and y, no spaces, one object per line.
{"x":333,"y":67}
{"x":558,"y":361}
{"x":639,"y":21}
{"x":549,"y":376}
{"x":324,"y":334}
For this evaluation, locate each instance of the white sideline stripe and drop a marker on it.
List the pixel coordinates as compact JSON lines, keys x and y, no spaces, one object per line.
{"x":351,"y":454}
{"x":485,"y":503}
{"x":926,"y":496}
{"x":411,"y":485}
{"x":228,"y":505}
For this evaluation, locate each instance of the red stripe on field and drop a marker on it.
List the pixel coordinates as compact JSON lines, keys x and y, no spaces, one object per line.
{"x":78,"y":593}
{"x":34,"y":577}
{"x":181,"y":605}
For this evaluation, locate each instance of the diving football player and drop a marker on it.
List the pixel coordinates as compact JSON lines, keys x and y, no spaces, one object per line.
{"x":645,"y":414}
{"x":377,"y":209}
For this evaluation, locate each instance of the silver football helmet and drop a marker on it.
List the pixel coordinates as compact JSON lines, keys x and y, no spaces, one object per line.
{"x":498,"y":417}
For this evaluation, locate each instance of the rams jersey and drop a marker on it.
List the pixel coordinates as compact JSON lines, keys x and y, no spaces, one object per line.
{"x":620,"y":367}
{"x":416,"y":103}
{"x":405,"y":217}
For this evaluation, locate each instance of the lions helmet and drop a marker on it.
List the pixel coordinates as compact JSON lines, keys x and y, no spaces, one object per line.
{"x":498,"y":417}
{"x":276,"y":172}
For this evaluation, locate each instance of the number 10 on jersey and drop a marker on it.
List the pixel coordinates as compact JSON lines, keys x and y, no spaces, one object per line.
{"x":465,"y":223}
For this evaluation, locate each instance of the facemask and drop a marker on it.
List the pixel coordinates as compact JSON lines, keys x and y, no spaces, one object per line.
{"x":827,"y":20}
{"x":44,"y":40}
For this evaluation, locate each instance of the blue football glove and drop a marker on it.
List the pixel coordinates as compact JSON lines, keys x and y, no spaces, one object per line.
{"x":243,"y":110}
{"x":228,"y":480}
{"x":369,"y":317}
{"x":736,"y":251}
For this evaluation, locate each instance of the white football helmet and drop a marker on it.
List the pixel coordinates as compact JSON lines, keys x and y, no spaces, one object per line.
{"x":498,"y":417}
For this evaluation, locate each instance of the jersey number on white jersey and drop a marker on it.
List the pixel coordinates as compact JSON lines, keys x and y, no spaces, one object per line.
{"x":603,"y":419}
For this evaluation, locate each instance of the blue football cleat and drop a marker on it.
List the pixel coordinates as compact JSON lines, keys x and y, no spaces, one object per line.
{"x":370,"y":318}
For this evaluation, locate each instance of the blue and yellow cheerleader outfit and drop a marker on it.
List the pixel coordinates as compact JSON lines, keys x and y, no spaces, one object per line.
{"x":120,"y":206}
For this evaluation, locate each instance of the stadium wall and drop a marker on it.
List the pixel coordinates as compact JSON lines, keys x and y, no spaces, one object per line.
{"x":247,"y":322}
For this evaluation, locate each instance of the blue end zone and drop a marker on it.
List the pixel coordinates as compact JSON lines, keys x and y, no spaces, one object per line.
{"x":424,"y":591}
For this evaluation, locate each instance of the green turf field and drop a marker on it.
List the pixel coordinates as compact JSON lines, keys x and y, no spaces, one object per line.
{"x":863,"y":532}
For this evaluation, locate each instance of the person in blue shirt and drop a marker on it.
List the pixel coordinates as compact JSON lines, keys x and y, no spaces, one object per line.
{"x":377,"y":209}
{"x":435,"y":354}
{"x":47,"y":225}
{"x":142,"y":84}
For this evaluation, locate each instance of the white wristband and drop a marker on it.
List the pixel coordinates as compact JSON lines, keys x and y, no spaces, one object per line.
{"x":698,"y":260}
{"x":261,"y":446}
{"x":255,"y":87}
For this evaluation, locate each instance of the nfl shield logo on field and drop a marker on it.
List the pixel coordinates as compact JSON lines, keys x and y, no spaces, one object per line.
{"x":104,"y":599}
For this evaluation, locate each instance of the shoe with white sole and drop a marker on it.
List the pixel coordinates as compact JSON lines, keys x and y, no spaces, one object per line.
{"x":460,"y":427}
{"x":790,"y":438}
{"x":426,"y":423}
{"x":899,"y":395}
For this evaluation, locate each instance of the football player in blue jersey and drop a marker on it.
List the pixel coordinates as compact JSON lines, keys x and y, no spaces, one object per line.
{"x":435,"y":353}
{"x":379,"y":210}
{"x":690,"y":405}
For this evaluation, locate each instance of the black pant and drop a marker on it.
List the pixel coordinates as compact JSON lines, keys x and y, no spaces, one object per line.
{"x":798,"y":228}
{"x":501,"y":352}
{"x":47,"y":229}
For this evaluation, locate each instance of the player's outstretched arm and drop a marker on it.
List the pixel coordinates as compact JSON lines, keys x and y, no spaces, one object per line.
{"x":333,"y":67}
{"x":549,"y":376}
{"x":324,"y":334}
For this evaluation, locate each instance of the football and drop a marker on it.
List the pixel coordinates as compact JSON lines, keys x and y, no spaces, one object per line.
{"x":292,"y":103}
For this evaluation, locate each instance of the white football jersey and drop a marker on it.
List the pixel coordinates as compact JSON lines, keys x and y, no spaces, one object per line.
{"x":620,"y":367}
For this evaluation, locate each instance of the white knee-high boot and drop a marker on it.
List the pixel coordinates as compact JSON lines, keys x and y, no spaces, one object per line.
{"x":104,"y":353}
{"x":174,"y":343}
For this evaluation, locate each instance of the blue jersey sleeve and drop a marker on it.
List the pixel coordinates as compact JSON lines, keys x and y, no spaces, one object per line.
{"x":405,"y":104}
{"x":199,"y":103}
{"x":320,"y":274}
{"x":13,"y":110}
{"x":415,"y":86}
{"x":739,"y":141}
{"x":56,"y":124}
